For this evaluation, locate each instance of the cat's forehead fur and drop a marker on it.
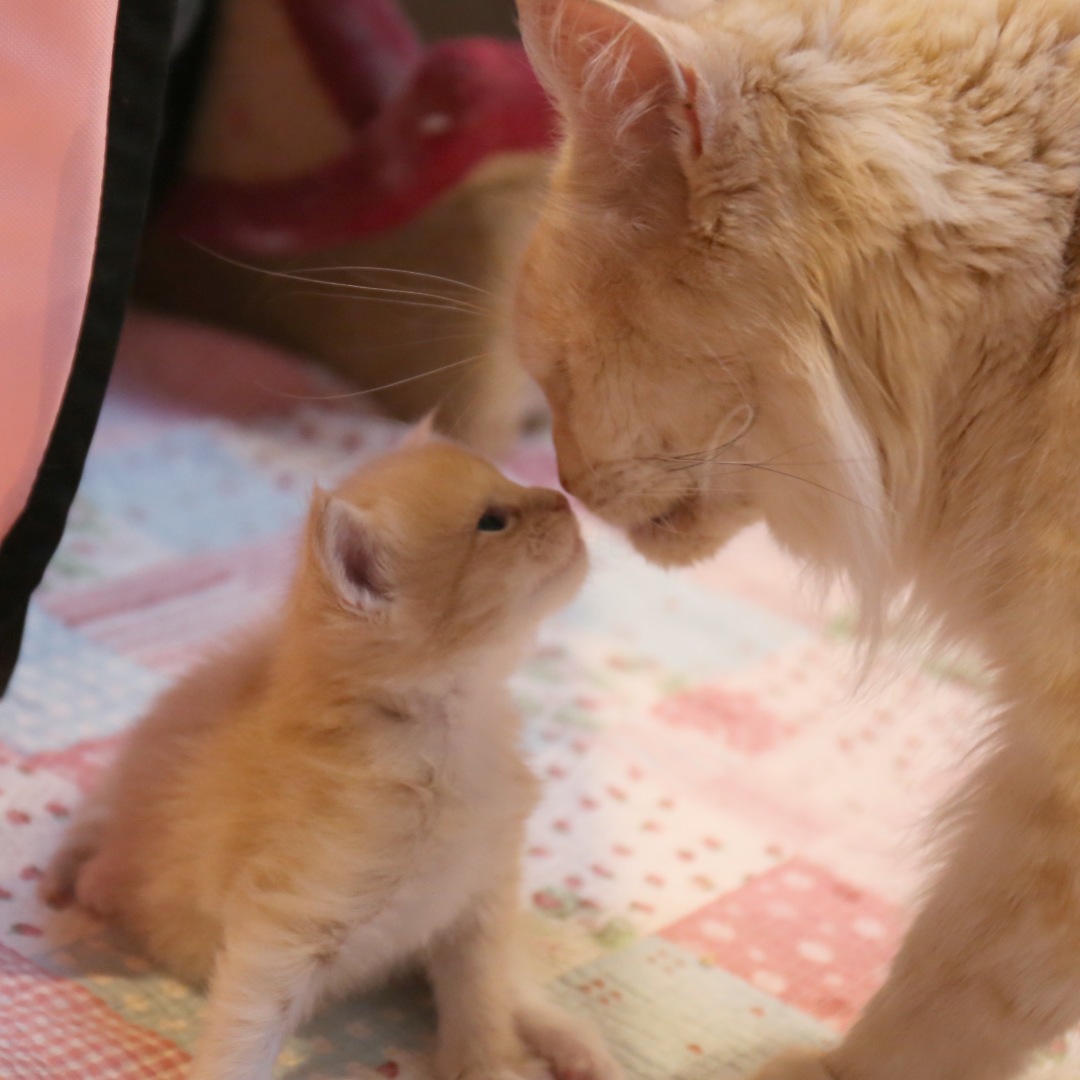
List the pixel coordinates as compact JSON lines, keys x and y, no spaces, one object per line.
{"x":430,"y":551}
{"x":432,"y":487}
{"x":779,"y":236}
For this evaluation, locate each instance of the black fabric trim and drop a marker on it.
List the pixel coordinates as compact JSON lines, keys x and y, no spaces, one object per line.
{"x":136,"y":98}
{"x":182,"y":98}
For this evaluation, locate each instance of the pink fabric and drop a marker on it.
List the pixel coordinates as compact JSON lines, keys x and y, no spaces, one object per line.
{"x":55,"y":62}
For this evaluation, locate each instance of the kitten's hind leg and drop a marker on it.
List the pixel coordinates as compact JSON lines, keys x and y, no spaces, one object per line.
{"x":81,"y":843}
{"x":990,"y":970}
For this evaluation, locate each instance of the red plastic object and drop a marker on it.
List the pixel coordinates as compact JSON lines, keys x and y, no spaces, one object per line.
{"x":365,"y":51}
{"x":424,"y":120}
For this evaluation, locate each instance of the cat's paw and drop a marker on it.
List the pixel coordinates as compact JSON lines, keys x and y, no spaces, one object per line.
{"x":572,"y":1049}
{"x":96,"y":888}
{"x":520,"y":1068}
{"x":799,"y":1065}
{"x":57,"y":885}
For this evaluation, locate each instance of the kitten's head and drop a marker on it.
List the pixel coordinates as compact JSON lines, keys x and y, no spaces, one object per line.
{"x":670,"y":303}
{"x":432,"y":551}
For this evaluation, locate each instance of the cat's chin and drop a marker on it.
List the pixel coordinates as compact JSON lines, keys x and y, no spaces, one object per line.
{"x":690,"y":531}
{"x":563,"y":584}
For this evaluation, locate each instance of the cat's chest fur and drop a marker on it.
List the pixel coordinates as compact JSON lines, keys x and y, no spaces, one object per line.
{"x":456,"y":759}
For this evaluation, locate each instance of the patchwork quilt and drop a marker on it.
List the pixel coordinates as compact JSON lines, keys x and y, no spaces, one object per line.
{"x":731,"y":830}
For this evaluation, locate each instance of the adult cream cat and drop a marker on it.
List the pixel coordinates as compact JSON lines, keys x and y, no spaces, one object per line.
{"x":815,"y":261}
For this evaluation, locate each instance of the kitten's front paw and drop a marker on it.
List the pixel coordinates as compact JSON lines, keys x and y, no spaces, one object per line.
{"x":523,"y":1068}
{"x":572,"y":1049}
{"x":800,"y":1065}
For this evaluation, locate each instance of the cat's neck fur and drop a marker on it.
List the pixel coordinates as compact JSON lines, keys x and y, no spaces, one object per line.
{"x":344,"y":677}
{"x":948,"y":289}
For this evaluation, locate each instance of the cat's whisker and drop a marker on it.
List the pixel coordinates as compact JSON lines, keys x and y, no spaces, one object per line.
{"x":464,"y":335}
{"x":390,"y":385}
{"x":449,"y":303}
{"x":416,"y":296}
{"x":374,"y":290}
{"x":395,"y":270}
{"x":802,"y":479}
{"x":764,"y":466}
{"x":394,"y":297}
{"x":794,"y":464}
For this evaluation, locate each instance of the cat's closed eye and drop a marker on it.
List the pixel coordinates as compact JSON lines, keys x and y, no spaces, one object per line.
{"x":492,"y":521}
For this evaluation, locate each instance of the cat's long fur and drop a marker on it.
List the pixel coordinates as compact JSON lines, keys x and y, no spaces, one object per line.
{"x":342,"y":793}
{"x":816,"y":261}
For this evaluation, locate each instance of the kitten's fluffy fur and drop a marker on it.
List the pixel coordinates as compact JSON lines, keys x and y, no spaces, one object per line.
{"x":816,"y":261}
{"x":342,"y":793}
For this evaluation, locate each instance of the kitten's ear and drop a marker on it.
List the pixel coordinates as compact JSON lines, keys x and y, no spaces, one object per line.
{"x":627,"y":75}
{"x":349,"y":554}
{"x":421,"y":434}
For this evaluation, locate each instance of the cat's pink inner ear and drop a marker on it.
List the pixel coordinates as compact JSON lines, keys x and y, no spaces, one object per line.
{"x":352,"y":555}
{"x":602,"y":62}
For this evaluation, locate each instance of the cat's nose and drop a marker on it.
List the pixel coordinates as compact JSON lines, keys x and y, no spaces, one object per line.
{"x":573,"y":466}
{"x":551,"y":501}
{"x":567,"y":480}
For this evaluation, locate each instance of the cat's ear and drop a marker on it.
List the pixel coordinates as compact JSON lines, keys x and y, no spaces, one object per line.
{"x":350,"y":555}
{"x":420,"y":434}
{"x":625,"y":75}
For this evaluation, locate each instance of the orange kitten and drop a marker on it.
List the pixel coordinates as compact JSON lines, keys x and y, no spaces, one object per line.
{"x":817,"y":262}
{"x":342,"y":793}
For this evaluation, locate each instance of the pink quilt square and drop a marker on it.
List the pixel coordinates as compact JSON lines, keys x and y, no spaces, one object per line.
{"x":800,"y":934}
{"x":57,"y":1029}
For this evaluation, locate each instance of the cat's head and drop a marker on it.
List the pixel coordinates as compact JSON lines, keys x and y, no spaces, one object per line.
{"x":431,"y":551}
{"x":671,"y":302}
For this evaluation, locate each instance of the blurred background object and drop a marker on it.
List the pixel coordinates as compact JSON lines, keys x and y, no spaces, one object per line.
{"x":347,"y":180}
{"x":358,"y":194}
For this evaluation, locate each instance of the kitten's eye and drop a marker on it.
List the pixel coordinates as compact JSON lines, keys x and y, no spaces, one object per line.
{"x":492,"y":521}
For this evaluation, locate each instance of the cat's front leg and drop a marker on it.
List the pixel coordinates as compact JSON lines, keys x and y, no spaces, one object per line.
{"x":490,"y":1027}
{"x":266,"y":982}
{"x":470,"y":966}
{"x":571,"y":1047}
{"x":990,"y":970}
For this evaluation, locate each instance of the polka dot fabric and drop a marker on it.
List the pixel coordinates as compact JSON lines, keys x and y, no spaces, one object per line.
{"x":729,"y":836}
{"x":800,"y":934}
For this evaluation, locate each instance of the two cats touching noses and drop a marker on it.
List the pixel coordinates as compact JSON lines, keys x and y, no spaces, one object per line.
{"x":806,"y":262}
